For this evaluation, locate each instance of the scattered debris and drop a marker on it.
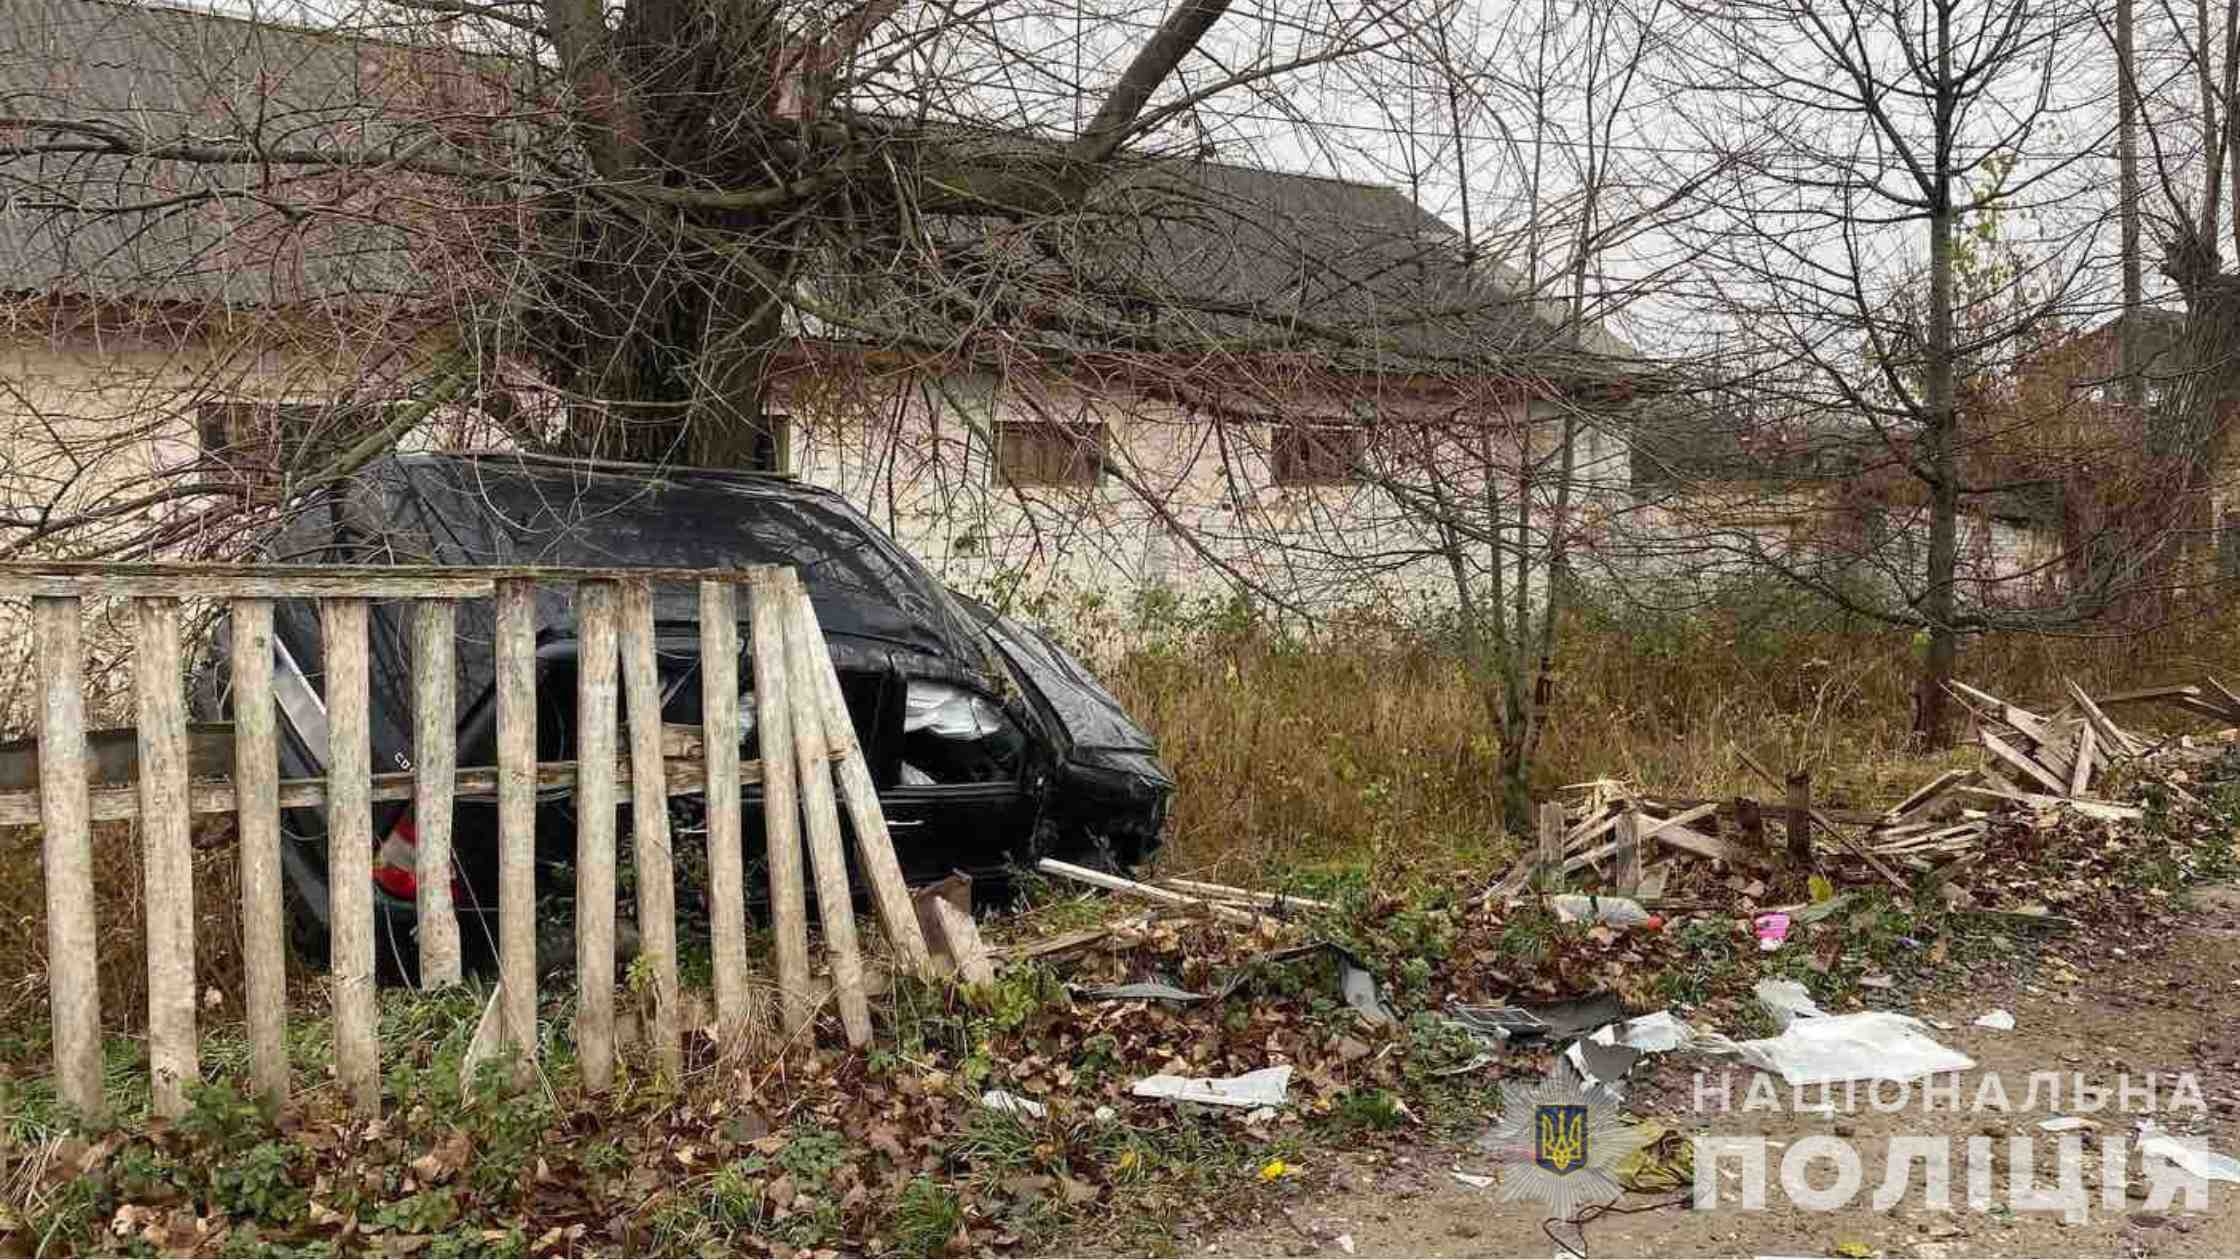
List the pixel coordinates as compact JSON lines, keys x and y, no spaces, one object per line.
{"x":1861,"y":1046}
{"x":1786,"y":1000}
{"x":1772,"y":930}
{"x":1472,"y":1180}
{"x":1603,"y":1064}
{"x":1356,"y":983}
{"x":1658,"y":1032}
{"x":1552,"y":1021}
{"x":1268,"y":1087}
{"x":1997,"y":1018}
{"x":1588,"y":908}
{"x":1011,"y":1104}
{"x":2191,"y":1154}
{"x":2066,"y":1124}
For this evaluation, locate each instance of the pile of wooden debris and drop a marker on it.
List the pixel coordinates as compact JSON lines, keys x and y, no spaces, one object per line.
{"x":2032,"y":762}
{"x":2036,"y":768}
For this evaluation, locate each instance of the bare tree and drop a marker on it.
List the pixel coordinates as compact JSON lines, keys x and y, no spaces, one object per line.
{"x":608,"y":229}
{"x":1901,"y":142}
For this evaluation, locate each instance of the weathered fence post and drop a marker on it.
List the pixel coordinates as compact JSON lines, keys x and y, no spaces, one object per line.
{"x":727,"y":882}
{"x":781,"y":809}
{"x":515,"y":614}
{"x":1800,"y":817}
{"x":357,"y":1061}
{"x":595,"y":847}
{"x":1550,"y":872}
{"x":166,"y":855}
{"x":65,"y":808}
{"x":1625,"y":870}
{"x":821,"y":818}
{"x":256,"y":786}
{"x":435,"y":761}
{"x":649,"y":814}
{"x":890,"y":893}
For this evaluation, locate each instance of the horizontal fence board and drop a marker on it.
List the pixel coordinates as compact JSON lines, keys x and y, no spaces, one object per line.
{"x":110,"y":804}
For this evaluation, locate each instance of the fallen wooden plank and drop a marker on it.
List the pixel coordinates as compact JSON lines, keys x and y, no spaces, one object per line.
{"x":2118,"y":740}
{"x":2013,"y":756}
{"x":1651,"y":827}
{"x":2226,"y":699}
{"x":1595,"y":823}
{"x":1692,"y":841}
{"x":944,"y":913}
{"x":1592,"y":830}
{"x":2145,"y":695}
{"x":1924,"y":794}
{"x":2056,"y":751}
{"x":2080,"y":777}
{"x":2013,"y":715}
{"x":2107,"y":811}
{"x":1162,"y":896}
{"x":1065,"y":943}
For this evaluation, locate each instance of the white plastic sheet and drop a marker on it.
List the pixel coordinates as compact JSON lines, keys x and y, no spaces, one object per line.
{"x":1655,"y":1033}
{"x":1005,"y":1101}
{"x":2191,"y":1154}
{"x":1787,"y":1000}
{"x":1864,"y":1046}
{"x":1268,"y":1087}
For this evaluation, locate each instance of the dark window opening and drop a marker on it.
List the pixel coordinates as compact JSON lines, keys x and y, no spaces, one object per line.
{"x":1317,"y":454}
{"x":773,"y":444}
{"x":1047,"y":453}
{"x":250,"y":436}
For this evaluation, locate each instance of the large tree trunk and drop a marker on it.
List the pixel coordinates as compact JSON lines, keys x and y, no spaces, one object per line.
{"x":662,"y":320}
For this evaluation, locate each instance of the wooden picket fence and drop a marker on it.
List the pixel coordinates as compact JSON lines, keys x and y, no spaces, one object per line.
{"x":810,"y":767}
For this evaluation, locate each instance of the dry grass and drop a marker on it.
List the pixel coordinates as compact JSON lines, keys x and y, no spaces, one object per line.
{"x":120,"y":911}
{"x":1369,"y":748}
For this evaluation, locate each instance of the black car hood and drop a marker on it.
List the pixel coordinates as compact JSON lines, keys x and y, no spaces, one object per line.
{"x":1098,"y":733}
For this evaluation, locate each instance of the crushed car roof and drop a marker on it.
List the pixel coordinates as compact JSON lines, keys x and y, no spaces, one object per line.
{"x":507,"y":509}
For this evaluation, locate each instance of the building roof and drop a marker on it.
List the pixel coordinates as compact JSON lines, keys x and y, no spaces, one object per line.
{"x":95,"y":224}
{"x":1166,"y":253}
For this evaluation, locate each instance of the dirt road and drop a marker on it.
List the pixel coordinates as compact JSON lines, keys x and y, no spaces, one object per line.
{"x":2163,"y":999}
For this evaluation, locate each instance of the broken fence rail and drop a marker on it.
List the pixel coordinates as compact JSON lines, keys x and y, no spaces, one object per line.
{"x":809,"y":759}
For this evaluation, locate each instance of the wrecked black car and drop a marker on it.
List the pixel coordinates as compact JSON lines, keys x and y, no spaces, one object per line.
{"x":990,"y":745}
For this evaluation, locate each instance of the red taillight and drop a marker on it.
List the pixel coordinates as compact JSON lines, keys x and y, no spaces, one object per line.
{"x":396,"y":863}
{"x":396,"y":860}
